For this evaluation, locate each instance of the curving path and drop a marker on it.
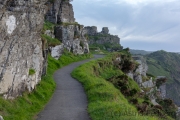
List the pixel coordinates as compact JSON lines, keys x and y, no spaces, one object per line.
{"x":69,"y":101}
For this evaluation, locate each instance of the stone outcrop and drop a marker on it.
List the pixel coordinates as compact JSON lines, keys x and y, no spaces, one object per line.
{"x":66,"y":13}
{"x":105,"y":30}
{"x":146,"y":83}
{"x":162,"y":91}
{"x":60,"y":11}
{"x":91,"y":30}
{"x":72,"y":37}
{"x":21,"y":23}
{"x":21,"y":47}
{"x":68,"y":31}
{"x":57,"y":51}
{"x":101,"y":37}
{"x":140,"y":71}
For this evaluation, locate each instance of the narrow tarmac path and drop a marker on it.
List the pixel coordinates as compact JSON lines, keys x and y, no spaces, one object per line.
{"x":69,"y":101}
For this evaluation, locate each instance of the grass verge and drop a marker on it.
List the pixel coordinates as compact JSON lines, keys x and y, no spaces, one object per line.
{"x":27,"y":106}
{"x":105,"y":101}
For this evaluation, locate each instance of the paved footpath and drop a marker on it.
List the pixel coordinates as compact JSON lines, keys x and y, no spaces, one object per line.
{"x":69,"y":101}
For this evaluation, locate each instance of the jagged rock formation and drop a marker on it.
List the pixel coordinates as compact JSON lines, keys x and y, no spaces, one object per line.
{"x":162,"y":91}
{"x":72,"y":37}
{"x":21,"y":23}
{"x":101,"y":37}
{"x":60,"y":11}
{"x":140,"y":71}
{"x":68,"y":31}
{"x":23,"y":56}
{"x":145,"y":82}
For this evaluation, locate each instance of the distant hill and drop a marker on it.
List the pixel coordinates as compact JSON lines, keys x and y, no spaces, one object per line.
{"x":162,"y":63}
{"x":139,"y":52}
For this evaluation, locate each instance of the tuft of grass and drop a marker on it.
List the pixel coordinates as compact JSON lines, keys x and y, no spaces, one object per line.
{"x":48,"y":26}
{"x":27,"y":106}
{"x":51,"y":41}
{"x":32,"y":71}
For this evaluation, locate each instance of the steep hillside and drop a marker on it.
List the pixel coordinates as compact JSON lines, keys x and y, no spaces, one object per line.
{"x":167,"y":64}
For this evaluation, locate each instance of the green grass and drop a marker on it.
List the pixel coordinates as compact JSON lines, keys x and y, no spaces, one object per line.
{"x":51,"y":41}
{"x":32,"y":71}
{"x":48,"y":26}
{"x":105,"y":101}
{"x":28,"y":105}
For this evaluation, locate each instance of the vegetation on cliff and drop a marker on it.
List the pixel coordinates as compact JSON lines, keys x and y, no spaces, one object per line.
{"x":112,"y":94}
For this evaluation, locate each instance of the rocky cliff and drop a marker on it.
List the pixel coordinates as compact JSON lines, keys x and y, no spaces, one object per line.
{"x":23,"y":50}
{"x":101,"y":37}
{"x":21,"y":57}
{"x":148,"y":84}
{"x":60,"y":11}
{"x":66,"y":30}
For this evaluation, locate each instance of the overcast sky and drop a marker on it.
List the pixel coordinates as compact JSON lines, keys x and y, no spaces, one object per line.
{"x":141,"y":24}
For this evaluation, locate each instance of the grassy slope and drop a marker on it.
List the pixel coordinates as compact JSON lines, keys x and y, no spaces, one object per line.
{"x":29,"y":104}
{"x":105,"y":101}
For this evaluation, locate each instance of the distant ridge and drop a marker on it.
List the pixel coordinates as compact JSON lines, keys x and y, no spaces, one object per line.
{"x":139,"y":52}
{"x":166,"y":64}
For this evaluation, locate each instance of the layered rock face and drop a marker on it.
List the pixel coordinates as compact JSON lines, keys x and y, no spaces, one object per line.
{"x":60,"y":11}
{"x":145,"y":82}
{"x":72,"y":37}
{"x":92,"y":31}
{"x":102,"y":37}
{"x":21,"y":22}
{"x":68,"y":31}
{"x":141,"y":70}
